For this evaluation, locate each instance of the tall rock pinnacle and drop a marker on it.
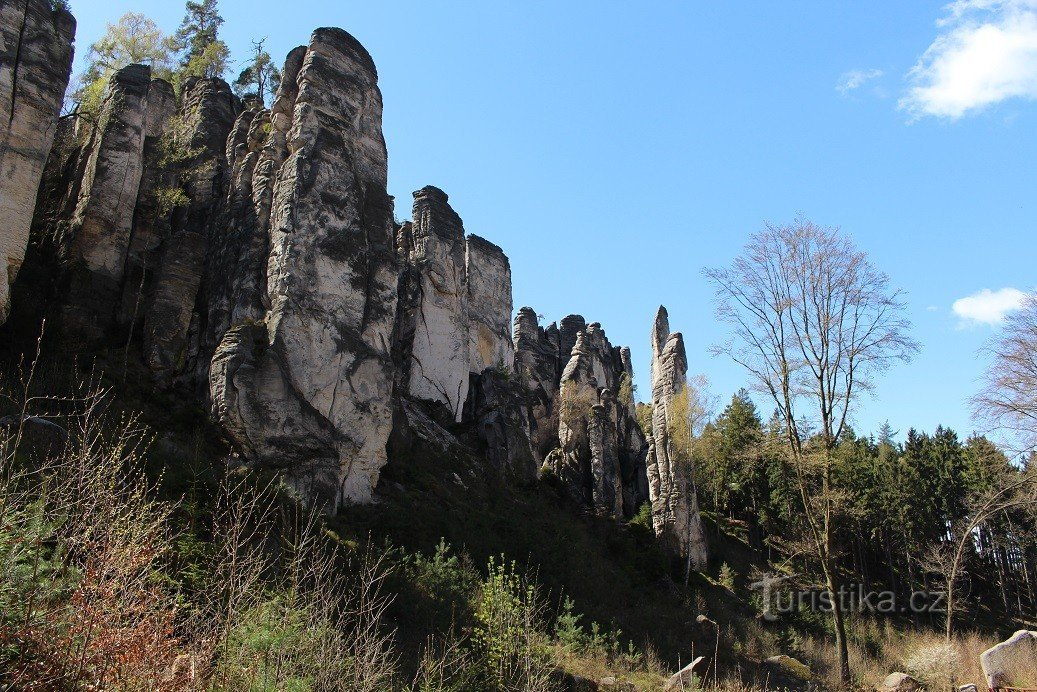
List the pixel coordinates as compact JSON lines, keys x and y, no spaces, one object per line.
{"x":675,"y":512}
{"x":309,"y":388}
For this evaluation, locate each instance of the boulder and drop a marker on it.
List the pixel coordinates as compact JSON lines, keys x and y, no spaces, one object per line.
{"x":685,"y":678}
{"x":1013,"y":662}
{"x":783,"y":667}
{"x":35,"y":62}
{"x":900,"y":682}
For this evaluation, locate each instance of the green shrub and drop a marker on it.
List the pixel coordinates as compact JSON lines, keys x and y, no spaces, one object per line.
{"x":508,"y":639}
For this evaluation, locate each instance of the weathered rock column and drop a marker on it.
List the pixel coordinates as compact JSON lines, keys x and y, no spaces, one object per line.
{"x":102,"y":224}
{"x":309,"y":389}
{"x":208,"y":112}
{"x":675,"y":512}
{"x":489,"y":306}
{"x":439,"y":354}
{"x":35,"y":62}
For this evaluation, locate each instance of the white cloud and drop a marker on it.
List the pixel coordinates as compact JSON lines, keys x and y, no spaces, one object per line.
{"x":855,"y":79}
{"x":988,"y":307}
{"x":985,"y":53}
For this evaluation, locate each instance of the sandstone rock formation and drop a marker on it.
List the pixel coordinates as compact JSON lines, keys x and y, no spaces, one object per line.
{"x":208,"y":112}
{"x":280,"y":289}
{"x":489,"y":306}
{"x":578,"y":419}
{"x":309,"y":389}
{"x":675,"y":512}
{"x":149,"y":227}
{"x":35,"y":63}
{"x":439,"y":348}
{"x":102,"y":223}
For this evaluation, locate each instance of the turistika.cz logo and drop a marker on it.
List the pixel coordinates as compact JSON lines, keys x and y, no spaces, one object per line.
{"x":777,"y":601}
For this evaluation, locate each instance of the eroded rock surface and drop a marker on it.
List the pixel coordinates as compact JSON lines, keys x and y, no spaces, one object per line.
{"x":439,"y":352}
{"x":675,"y":512}
{"x":1012,"y":663}
{"x":102,"y":223}
{"x":313,"y":394}
{"x":489,"y":306}
{"x":35,"y":63}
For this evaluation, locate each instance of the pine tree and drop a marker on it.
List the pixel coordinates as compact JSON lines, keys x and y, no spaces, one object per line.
{"x":203,"y":53}
{"x":260,"y":77}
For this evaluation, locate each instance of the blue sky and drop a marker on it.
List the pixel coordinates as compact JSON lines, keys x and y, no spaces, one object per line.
{"x":613,"y":149}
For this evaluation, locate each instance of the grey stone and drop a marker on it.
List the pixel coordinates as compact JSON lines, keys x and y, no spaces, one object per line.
{"x":1013,"y":662}
{"x":675,"y":514}
{"x":900,"y":682}
{"x":35,"y":63}
{"x":440,"y":347}
{"x":489,"y":306}
{"x":312,"y":395}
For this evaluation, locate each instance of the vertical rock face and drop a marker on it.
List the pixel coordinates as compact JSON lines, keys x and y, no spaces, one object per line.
{"x":675,"y":513}
{"x":208,"y":112}
{"x":149,"y":227}
{"x":537,"y":368}
{"x":578,"y":425}
{"x":489,"y":306}
{"x":103,"y":220}
{"x":35,"y":62}
{"x":439,"y":355}
{"x":309,"y":390}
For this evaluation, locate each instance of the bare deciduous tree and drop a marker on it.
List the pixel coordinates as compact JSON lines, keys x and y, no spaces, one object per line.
{"x":948,"y":558}
{"x":813,"y":321}
{"x":1007,"y":401}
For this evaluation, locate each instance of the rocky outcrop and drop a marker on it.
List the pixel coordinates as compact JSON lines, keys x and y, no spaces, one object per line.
{"x":675,"y":513}
{"x":309,"y":389}
{"x":239,"y":240}
{"x":102,"y":223}
{"x":207,"y":113}
{"x":439,"y":350}
{"x":489,"y":306}
{"x":150,"y":227}
{"x":280,"y":288}
{"x":600,"y":461}
{"x":35,"y":63}
{"x":580,"y":411}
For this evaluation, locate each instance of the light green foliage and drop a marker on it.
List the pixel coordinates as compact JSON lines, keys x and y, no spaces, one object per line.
{"x":135,"y":38}
{"x":181,"y":163}
{"x":277,"y":645}
{"x":627,"y":390}
{"x":210,"y":62}
{"x":568,"y":630}
{"x":442,"y":575}
{"x":643,"y":413}
{"x":643,"y":517}
{"x":727,"y":577}
{"x":509,"y":636}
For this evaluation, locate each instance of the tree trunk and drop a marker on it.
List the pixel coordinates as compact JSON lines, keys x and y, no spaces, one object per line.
{"x":839,"y":620}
